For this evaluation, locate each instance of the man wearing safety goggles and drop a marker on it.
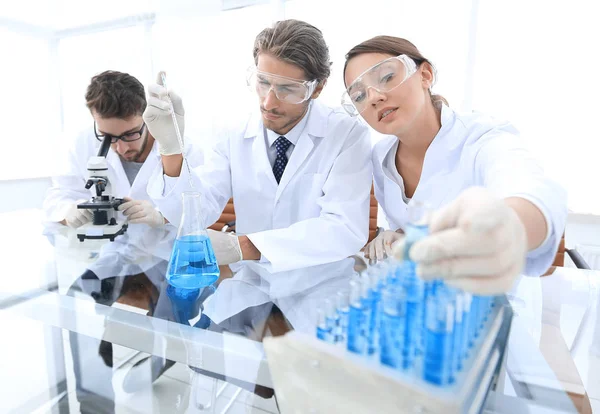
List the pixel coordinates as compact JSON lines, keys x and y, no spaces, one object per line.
{"x":299,"y":174}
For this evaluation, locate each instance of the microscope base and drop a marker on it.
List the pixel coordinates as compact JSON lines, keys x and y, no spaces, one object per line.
{"x":97,"y":232}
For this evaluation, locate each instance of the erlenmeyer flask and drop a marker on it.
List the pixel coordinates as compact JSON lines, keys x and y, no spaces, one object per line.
{"x":193,"y":264}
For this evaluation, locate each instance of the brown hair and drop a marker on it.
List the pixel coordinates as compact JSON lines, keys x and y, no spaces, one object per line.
{"x":395,"y":46}
{"x":298,"y":43}
{"x":115,"y":94}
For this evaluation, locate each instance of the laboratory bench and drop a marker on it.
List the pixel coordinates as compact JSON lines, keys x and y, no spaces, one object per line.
{"x":74,"y":343}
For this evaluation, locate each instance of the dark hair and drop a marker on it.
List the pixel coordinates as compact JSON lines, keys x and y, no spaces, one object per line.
{"x":395,"y":46}
{"x":114,"y":94}
{"x":298,"y":43}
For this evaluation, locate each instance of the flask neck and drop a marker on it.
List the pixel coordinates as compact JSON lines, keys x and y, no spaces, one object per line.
{"x":191,"y":219}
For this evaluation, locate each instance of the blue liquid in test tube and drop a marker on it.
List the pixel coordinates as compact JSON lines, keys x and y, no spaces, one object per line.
{"x":439,"y":338}
{"x":359,"y":317}
{"x":331,"y":319}
{"x":374,"y":302}
{"x":323,"y":330}
{"x":343,"y":311}
{"x":393,"y":324}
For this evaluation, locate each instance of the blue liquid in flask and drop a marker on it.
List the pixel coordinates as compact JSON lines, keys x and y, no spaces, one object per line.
{"x":193,"y":264}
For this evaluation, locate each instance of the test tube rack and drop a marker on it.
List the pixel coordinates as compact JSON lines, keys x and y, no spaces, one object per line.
{"x":312,"y":376}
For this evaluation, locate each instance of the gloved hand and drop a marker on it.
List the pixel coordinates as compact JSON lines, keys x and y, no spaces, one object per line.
{"x":78,"y":216}
{"x":141,"y":211}
{"x":226,"y":246}
{"x":158,"y":117}
{"x":477,"y":243}
{"x":381,"y":246}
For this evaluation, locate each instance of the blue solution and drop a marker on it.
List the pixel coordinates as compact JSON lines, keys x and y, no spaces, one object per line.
{"x":324,"y":331}
{"x":193,"y":264}
{"x":466,"y":329}
{"x":439,"y":338}
{"x":415,"y":297}
{"x":414,"y":317}
{"x":183,"y":303}
{"x":332,"y":320}
{"x":430,"y":289}
{"x":458,"y":350}
{"x":343,"y":312}
{"x":374,"y":303}
{"x":392,"y":327}
{"x":358,"y":318}
{"x":358,"y":327}
{"x":474,"y":320}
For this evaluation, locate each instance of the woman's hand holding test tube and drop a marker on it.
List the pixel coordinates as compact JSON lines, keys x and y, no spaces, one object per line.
{"x":477,"y":243}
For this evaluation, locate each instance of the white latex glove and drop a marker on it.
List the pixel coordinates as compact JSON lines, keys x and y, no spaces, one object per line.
{"x":78,"y":216}
{"x":158,"y":117}
{"x":141,"y":211}
{"x":381,"y":246}
{"x":477,"y":244}
{"x":226,"y":246}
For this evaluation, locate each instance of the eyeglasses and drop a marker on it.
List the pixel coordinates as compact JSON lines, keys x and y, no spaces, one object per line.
{"x":289,"y":90}
{"x":128,"y":137}
{"x":382,"y":77}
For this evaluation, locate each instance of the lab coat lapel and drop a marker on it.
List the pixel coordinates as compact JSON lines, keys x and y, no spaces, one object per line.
{"x":315,"y":128}
{"x":304,"y":147}
{"x":392,"y":191}
{"x":138,"y":189}
{"x":440,"y":160}
{"x":255,"y":130}
{"x":120,"y":183}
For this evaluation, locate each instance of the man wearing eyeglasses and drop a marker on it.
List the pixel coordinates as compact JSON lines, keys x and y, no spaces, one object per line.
{"x":299,"y":173}
{"x":116,"y":102}
{"x":137,"y":259}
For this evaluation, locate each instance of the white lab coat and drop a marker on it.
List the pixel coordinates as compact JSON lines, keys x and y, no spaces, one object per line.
{"x":475,"y":150}
{"x":305,"y":227}
{"x":141,"y":247}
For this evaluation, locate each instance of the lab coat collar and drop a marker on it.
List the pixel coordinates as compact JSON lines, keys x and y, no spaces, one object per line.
{"x":121,"y":185}
{"x":316,"y":126}
{"x":294,"y":134}
{"x":385,"y":147}
{"x":255,"y":127}
{"x":445,"y":142}
{"x":317,"y":119}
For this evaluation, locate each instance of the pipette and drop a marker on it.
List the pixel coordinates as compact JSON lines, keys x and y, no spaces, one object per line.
{"x":177,"y":131}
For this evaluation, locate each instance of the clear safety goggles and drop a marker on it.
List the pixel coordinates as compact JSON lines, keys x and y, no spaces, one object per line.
{"x":382,"y":77}
{"x":288,"y":90}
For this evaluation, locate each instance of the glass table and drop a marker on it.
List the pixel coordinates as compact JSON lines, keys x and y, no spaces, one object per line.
{"x":77,"y":342}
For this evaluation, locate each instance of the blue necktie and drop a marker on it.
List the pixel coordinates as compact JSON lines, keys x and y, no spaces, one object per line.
{"x":281,"y":145}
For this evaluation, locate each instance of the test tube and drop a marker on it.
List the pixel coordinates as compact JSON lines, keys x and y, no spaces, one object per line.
{"x":331,"y":319}
{"x":393,"y":324}
{"x":459,"y":326}
{"x":323,"y":330}
{"x":358,"y":323}
{"x":374,"y":302}
{"x":467,"y":328}
{"x":343,"y":309}
{"x":439,"y":336}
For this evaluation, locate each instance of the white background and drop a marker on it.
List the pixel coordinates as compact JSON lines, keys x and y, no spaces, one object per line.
{"x":531,"y":62}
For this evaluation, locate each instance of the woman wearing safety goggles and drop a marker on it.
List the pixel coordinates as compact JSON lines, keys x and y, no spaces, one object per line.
{"x":496,"y":214}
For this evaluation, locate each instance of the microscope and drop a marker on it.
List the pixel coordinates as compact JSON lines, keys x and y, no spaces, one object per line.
{"x":103,"y":205}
